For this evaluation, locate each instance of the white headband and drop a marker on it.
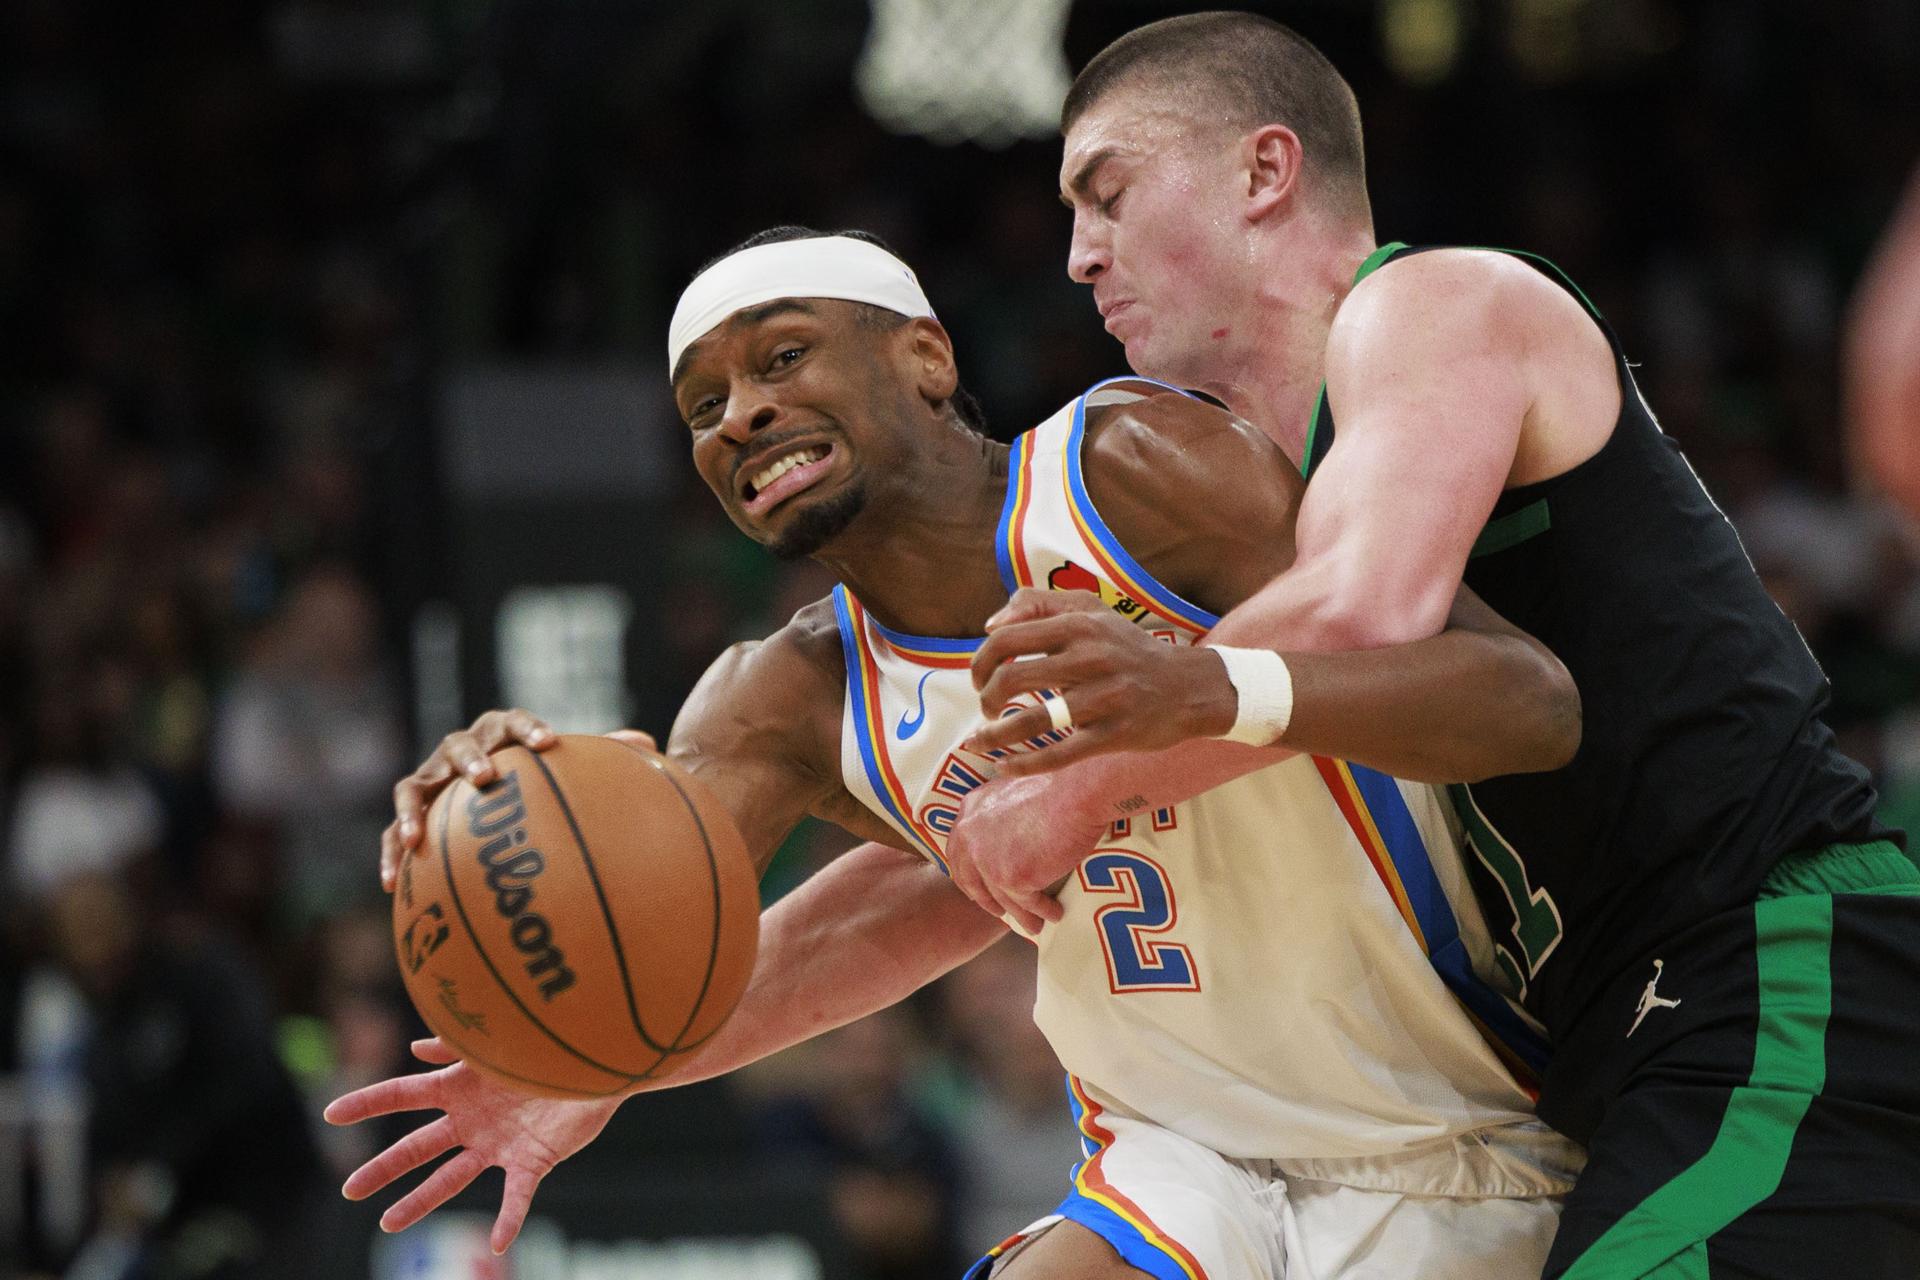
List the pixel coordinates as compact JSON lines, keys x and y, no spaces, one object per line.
{"x":818,"y":267}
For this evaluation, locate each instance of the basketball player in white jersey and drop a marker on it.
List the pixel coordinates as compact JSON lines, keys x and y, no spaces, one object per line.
{"x":1281,"y":1058}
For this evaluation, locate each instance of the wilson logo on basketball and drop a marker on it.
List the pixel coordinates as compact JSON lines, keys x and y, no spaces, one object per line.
{"x":497,"y":815}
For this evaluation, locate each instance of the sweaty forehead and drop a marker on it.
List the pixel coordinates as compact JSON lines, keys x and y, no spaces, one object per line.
{"x":1124,"y":124}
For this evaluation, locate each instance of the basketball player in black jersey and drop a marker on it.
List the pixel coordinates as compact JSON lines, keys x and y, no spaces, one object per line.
{"x":1722,"y":944}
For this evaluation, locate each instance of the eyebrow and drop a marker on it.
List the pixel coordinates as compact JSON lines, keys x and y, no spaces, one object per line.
{"x":1082,"y":179}
{"x":746,"y":315}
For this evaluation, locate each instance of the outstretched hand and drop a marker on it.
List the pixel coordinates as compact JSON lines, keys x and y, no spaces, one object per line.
{"x":1124,"y":690}
{"x":489,"y":1121}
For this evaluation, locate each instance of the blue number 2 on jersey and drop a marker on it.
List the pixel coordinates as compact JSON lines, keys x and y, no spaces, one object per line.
{"x":1135,"y":960}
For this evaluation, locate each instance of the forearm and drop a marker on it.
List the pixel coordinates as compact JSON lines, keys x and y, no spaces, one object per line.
{"x":868,"y":930}
{"x":1107,"y":788}
{"x":1355,"y":596}
{"x":1477,"y":700}
{"x":1459,"y":707}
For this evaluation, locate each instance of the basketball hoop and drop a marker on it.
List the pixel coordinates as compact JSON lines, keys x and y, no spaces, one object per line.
{"x":985,"y":71}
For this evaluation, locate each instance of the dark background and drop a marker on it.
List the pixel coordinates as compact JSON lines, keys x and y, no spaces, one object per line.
{"x":332,"y":411}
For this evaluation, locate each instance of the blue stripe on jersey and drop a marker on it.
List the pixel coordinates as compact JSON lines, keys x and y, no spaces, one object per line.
{"x":862,"y":721}
{"x":1161,"y":597}
{"x":1133,"y":1247}
{"x":926,"y":644}
{"x":1087,"y":1147}
{"x":1445,"y":949}
{"x":1003,"y":538}
{"x":983,"y":1268}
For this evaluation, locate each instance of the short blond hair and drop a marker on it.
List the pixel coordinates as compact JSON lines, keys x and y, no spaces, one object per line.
{"x":1251,"y":71}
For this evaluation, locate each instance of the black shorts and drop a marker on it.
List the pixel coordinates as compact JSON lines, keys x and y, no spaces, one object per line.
{"x":1757,"y":1112}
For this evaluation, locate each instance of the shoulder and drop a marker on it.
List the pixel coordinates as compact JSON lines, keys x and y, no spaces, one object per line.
{"x":1459,"y":301}
{"x":777,"y":692}
{"x":1163,"y":417}
{"x":1174,"y":447}
{"x":1204,"y":500}
{"x":807,"y":648}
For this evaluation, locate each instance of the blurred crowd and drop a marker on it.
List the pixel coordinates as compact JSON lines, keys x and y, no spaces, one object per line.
{"x":239,"y":244}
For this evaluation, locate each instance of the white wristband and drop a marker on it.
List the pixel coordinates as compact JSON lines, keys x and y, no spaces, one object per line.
{"x":1265,"y":686}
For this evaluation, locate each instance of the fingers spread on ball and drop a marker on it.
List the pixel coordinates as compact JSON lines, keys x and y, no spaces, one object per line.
{"x":464,"y":752}
{"x":530,"y":729}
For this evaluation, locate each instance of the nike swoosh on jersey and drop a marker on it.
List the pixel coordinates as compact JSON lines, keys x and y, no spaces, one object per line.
{"x":910,"y":725}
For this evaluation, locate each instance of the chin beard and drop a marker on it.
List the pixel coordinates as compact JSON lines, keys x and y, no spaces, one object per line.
{"x":820,"y":523}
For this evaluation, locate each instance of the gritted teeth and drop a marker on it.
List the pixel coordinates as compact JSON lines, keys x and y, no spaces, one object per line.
{"x":760,"y":479}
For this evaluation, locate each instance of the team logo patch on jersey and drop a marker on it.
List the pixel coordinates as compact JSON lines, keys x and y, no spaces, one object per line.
{"x":1071,"y":577}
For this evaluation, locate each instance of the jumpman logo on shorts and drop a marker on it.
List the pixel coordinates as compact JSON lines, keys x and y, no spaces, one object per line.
{"x":1649,"y":1001}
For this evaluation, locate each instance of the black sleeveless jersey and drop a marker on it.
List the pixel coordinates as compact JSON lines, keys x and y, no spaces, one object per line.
{"x":1703,"y":759}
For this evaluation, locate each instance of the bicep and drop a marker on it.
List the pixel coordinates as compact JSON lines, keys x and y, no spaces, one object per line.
{"x":748,"y":732}
{"x":766,"y":795}
{"x":1429,"y":419}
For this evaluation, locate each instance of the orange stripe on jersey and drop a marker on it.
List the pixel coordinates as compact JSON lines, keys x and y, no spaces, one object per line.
{"x":1346,"y":794}
{"x":1016,"y":523}
{"x":872,"y":728}
{"x":1121,"y":568}
{"x":928,"y":657}
{"x":1144,"y":594}
{"x":1094,"y":1185}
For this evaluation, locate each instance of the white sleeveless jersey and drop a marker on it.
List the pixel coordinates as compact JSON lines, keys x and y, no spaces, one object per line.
{"x":1285,"y":967}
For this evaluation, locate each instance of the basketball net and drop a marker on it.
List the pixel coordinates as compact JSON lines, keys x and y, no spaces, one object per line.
{"x":985,"y":71}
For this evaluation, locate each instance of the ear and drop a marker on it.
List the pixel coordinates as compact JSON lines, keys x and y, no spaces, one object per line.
{"x":1271,"y":158}
{"x":930,"y":351}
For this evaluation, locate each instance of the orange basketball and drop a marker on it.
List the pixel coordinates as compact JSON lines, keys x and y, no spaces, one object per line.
{"x":581,"y":923}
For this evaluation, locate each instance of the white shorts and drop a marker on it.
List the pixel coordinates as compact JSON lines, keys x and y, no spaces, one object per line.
{"x":1179,"y":1211}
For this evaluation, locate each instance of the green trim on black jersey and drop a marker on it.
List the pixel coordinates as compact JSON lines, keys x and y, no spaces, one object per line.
{"x":1877,"y":866}
{"x":1749,"y":1155}
{"x":1307,"y":461}
{"x":1377,"y":259}
{"x":1372,"y":263}
{"x":1565,"y":279}
{"x":1513,"y":529}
